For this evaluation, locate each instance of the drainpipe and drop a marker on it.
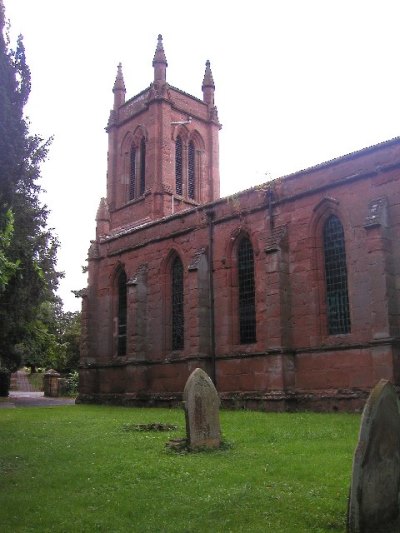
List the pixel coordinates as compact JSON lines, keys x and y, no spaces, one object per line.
{"x":211,"y":215}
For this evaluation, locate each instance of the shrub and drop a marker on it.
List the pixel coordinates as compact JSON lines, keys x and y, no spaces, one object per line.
{"x":72,"y":382}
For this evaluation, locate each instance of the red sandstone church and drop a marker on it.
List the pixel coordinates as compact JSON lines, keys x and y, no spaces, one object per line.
{"x":286,"y":294}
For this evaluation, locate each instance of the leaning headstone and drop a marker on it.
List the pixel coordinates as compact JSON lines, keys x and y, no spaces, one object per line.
{"x":375,"y":483}
{"x":201,"y":403}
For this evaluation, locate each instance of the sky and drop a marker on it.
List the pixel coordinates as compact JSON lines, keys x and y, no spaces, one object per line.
{"x":297,"y":83}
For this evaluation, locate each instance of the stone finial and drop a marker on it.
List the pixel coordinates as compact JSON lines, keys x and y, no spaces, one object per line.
{"x":103,"y":212}
{"x":208,"y":85}
{"x":102,"y":219}
{"x":201,"y":403}
{"x":119,"y":88}
{"x":208,"y":80}
{"x":160,"y":61}
{"x":375,"y":482}
{"x":119,"y":83}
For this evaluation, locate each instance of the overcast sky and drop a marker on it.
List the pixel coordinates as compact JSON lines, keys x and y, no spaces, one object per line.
{"x":297,"y":83}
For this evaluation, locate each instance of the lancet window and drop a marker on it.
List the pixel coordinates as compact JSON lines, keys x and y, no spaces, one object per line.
{"x":191,"y":170}
{"x":177,"y":304}
{"x":132,"y":174}
{"x":121,"y":313}
{"x":338,"y":310}
{"x":142,"y":166}
{"x":178,"y":165}
{"x":246,"y":285}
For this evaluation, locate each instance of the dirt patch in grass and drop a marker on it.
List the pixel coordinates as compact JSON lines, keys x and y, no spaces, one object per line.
{"x":153,"y":426}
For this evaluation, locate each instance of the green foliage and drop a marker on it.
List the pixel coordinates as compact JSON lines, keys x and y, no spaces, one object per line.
{"x":284,"y":473}
{"x":72,"y":383}
{"x":52,"y":339}
{"x":69,"y":334}
{"x":36,"y":380}
{"x":40,"y":346}
{"x":7,"y":267}
{"x":29,"y":249}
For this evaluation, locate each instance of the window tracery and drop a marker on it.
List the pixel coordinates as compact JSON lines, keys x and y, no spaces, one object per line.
{"x":337,"y":299}
{"x":246,"y":284}
{"x":177,"y":294}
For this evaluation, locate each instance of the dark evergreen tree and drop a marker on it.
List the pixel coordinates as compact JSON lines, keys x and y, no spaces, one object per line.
{"x":32,"y":247}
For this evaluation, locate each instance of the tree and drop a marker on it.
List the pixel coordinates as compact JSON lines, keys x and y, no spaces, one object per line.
{"x":52,"y":339}
{"x":7,"y":267}
{"x":31,"y":248}
{"x":69,"y":334}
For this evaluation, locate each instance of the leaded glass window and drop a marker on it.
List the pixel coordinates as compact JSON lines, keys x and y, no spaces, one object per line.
{"x":177,"y":305}
{"x":132,"y":174}
{"x":247,"y":300}
{"x":178,"y":165}
{"x":191,"y":170}
{"x":338,"y":311}
{"x":142,"y":166}
{"x":122,"y":313}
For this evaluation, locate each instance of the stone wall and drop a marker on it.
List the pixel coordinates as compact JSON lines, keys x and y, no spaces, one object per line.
{"x":294,"y":361}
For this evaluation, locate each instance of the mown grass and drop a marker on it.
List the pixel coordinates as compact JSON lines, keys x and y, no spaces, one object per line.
{"x":76,"y":468}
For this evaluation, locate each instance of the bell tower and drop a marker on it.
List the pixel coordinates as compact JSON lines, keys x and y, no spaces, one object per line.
{"x":162,"y":150}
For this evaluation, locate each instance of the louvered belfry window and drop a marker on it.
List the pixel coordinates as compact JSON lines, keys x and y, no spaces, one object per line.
{"x":178,"y":165}
{"x":338,"y":310}
{"x":132,"y":174}
{"x":177,"y":305}
{"x":191,"y":170}
{"x":247,"y":308}
{"x":122,"y":313}
{"x":142,"y":166}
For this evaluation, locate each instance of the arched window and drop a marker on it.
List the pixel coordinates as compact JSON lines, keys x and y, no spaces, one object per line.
{"x":246,"y":285}
{"x":178,"y":165}
{"x":142,"y":166}
{"x":132,"y":174}
{"x":337,"y":299}
{"x":177,"y":304}
{"x":121,"y":313}
{"x":191,"y":170}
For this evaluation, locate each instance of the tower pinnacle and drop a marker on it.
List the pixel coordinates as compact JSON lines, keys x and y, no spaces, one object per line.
{"x":208,"y":86}
{"x":160,"y":62}
{"x":119,"y":88}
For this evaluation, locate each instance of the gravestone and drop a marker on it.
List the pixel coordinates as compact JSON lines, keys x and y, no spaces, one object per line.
{"x":201,"y":403}
{"x":374,"y":492}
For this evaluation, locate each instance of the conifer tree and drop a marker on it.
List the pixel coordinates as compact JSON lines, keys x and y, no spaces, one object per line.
{"x":31,"y":248}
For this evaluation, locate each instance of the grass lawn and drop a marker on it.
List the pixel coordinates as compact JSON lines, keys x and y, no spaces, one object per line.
{"x":76,"y":468}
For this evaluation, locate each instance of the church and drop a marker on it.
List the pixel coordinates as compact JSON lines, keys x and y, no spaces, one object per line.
{"x":287,"y":294}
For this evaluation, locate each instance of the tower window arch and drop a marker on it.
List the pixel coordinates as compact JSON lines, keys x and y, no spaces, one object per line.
{"x":142,"y":166}
{"x":178,"y":165}
{"x":191,"y":170}
{"x":122,"y":308}
{"x":337,"y":299}
{"x":246,"y":286}
{"x":132,"y":174}
{"x":177,"y":301}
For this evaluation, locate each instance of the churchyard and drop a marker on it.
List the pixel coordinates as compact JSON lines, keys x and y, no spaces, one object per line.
{"x":90,"y":468}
